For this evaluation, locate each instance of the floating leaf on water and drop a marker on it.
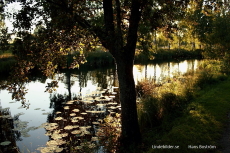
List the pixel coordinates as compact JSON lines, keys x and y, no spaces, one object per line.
{"x":47,"y":149}
{"x":100,"y":120}
{"x":76,"y":110}
{"x":80,"y":118}
{"x":73,"y":114}
{"x":37,"y":108}
{"x":87,"y":101}
{"x":87,"y":132}
{"x":43,"y":110}
{"x":70,"y":102}
{"x":58,"y":118}
{"x":66,"y":107}
{"x":47,"y":113}
{"x":25,"y":135}
{"x":83,"y":113}
{"x":32,"y":128}
{"x":111,"y":103}
{"x":5,"y":143}
{"x":12,"y":102}
{"x":52,"y":143}
{"x":96,"y":112}
{"x":78,"y":147}
{"x":82,"y":128}
{"x":94,"y":139}
{"x":76,"y":132}
{"x":88,"y":127}
{"x":96,"y":123}
{"x":58,"y":112}
{"x":68,"y":127}
{"x":89,"y":98}
{"x":58,"y":149}
{"x":20,"y":107}
{"x":64,"y":134}
{"x":74,"y":120}
{"x":75,"y":126}
{"x":101,"y":104}
{"x":112,"y":107}
{"x":56,"y":136}
{"x":48,"y":133}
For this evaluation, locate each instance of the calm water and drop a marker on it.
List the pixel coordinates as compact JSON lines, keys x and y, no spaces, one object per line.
{"x":73,"y":110}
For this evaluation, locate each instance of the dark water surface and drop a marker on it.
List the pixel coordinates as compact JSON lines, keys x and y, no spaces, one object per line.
{"x":70,"y":114}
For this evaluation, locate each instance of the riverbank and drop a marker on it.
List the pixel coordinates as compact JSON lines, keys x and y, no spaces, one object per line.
{"x":190,"y":118}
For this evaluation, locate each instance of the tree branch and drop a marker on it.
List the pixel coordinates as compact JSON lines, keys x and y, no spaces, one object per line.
{"x":133,"y":26}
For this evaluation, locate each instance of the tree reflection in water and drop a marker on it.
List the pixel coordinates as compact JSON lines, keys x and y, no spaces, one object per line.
{"x":74,"y":125}
{"x":9,"y":135}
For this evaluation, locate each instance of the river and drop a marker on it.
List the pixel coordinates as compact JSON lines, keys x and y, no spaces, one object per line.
{"x":72,"y":108}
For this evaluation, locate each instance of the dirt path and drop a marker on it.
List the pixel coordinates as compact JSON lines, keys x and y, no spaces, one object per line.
{"x":225,"y":140}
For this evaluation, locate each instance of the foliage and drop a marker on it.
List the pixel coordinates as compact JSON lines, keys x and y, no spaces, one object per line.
{"x":167,"y":112}
{"x":109,"y":133}
{"x":4,"y":37}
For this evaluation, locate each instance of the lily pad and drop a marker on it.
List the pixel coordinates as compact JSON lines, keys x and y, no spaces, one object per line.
{"x":58,"y":112}
{"x":72,"y":114}
{"x":68,"y":127}
{"x":70,"y":102}
{"x":58,"y":118}
{"x":76,"y":132}
{"x":12,"y":102}
{"x":66,"y":107}
{"x":5,"y":143}
{"x":76,"y":110}
{"x":47,"y":113}
{"x":94,"y":139}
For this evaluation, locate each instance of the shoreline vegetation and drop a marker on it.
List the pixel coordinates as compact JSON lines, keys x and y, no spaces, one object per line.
{"x":188,"y":114}
{"x":98,"y":58}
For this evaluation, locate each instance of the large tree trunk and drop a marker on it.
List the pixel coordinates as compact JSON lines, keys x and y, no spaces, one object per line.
{"x":131,"y":136}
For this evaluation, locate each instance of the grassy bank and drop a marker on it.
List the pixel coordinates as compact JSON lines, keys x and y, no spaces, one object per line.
{"x":187,"y":112}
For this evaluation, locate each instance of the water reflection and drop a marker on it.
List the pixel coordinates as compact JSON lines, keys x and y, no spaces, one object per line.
{"x":68,"y":113}
{"x":8,"y":135}
{"x":159,"y":72}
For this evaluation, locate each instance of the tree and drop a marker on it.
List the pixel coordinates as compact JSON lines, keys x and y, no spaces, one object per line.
{"x":4,"y":36}
{"x":82,"y":24}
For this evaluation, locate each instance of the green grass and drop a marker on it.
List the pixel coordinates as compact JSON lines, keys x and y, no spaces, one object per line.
{"x":201,"y":123}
